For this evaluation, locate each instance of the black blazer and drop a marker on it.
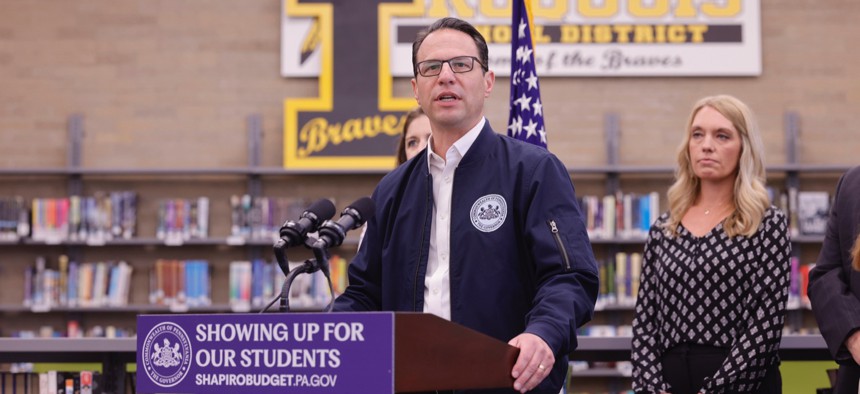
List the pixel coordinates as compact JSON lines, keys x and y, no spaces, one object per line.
{"x":834,"y":286}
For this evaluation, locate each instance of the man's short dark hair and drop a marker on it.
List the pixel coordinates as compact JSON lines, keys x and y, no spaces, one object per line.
{"x":454,"y":24}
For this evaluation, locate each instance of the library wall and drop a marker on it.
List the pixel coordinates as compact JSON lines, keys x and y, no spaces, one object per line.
{"x":170,"y":82}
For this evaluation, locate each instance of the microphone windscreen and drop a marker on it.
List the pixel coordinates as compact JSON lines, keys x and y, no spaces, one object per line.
{"x":323,"y":209}
{"x":365,"y":207}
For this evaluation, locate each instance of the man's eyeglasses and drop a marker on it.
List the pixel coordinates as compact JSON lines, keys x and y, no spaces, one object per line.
{"x":459,"y":64}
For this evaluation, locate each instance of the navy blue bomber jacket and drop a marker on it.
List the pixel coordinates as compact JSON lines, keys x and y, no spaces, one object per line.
{"x":520,"y":258}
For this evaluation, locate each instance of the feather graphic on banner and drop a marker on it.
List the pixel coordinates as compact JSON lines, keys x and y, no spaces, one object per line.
{"x":311,"y":42}
{"x":526,"y":110}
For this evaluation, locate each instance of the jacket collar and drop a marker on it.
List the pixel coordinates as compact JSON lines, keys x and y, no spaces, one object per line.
{"x":482,"y":146}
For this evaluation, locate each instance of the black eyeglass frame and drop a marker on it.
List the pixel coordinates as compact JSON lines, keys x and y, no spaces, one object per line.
{"x":442,"y":62}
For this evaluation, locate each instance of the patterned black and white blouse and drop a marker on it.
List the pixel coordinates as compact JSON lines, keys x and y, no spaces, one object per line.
{"x":713,"y":290}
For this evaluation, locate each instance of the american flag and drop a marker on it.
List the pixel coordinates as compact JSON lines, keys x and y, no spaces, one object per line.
{"x":525,"y":121}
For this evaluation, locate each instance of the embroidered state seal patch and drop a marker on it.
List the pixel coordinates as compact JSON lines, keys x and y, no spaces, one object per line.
{"x":489,"y":212}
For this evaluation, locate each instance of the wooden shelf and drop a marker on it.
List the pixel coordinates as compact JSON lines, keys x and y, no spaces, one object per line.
{"x":599,"y":373}
{"x":793,"y":347}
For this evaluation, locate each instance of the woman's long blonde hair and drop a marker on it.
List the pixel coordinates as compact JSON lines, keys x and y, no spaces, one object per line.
{"x":750,"y":196}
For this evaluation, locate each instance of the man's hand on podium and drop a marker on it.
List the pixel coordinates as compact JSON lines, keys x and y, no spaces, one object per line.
{"x":534,"y":362}
{"x":853,"y":345}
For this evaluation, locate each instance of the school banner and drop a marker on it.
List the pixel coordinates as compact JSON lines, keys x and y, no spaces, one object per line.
{"x":357,"y":48}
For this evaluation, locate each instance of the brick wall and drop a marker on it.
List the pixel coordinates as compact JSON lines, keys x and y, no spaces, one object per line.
{"x":170,"y":82}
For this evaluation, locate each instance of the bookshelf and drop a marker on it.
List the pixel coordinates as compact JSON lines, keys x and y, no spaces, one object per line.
{"x":792,"y":347}
{"x":256,"y":180}
{"x":144,"y":248}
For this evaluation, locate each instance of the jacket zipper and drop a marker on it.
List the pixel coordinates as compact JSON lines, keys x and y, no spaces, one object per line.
{"x":428,"y":203}
{"x":553,"y":228}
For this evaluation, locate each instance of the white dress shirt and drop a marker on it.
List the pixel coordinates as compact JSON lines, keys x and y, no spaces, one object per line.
{"x":437,"y":285}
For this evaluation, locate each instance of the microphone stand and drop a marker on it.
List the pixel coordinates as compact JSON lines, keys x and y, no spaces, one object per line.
{"x":322,"y":264}
{"x":318,"y":263}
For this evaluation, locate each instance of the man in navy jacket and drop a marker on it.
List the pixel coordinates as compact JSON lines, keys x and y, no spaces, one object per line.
{"x":481,"y":229}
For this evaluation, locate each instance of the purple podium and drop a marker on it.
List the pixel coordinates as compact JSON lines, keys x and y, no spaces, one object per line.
{"x":380,"y":352}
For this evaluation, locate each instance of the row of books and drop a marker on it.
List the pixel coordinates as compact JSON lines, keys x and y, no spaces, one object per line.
{"x":620,"y":275}
{"x":622,"y":215}
{"x":182,"y":219}
{"x":176,"y":283}
{"x":619,"y":280}
{"x":101,"y":216}
{"x":76,"y":284}
{"x":254,"y":284}
{"x":798,"y":298}
{"x":113,"y":215}
{"x":105,"y":284}
{"x":630,"y":215}
{"x":251,"y":284}
{"x":98,"y":218}
{"x":185,"y":283}
{"x":262,"y":217}
{"x":807,"y":211}
{"x":51,"y":382}
{"x":73,"y":329}
{"x":13,"y":218}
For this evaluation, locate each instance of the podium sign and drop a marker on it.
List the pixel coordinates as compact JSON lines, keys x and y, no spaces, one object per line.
{"x":266,"y":353}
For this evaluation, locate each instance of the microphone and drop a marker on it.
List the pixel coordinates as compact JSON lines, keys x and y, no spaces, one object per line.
{"x":332,"y":233}
{"x":294,"y":232}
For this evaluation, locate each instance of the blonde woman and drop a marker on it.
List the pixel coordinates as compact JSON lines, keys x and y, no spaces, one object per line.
{"x":834,"y":283}
{"x":715,"y":275}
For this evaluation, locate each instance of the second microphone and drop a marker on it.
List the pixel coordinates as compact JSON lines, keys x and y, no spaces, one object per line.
{"x":332,"y":234}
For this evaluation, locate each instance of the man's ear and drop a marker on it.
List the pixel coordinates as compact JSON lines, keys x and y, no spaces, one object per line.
{"x":489,"y":81}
